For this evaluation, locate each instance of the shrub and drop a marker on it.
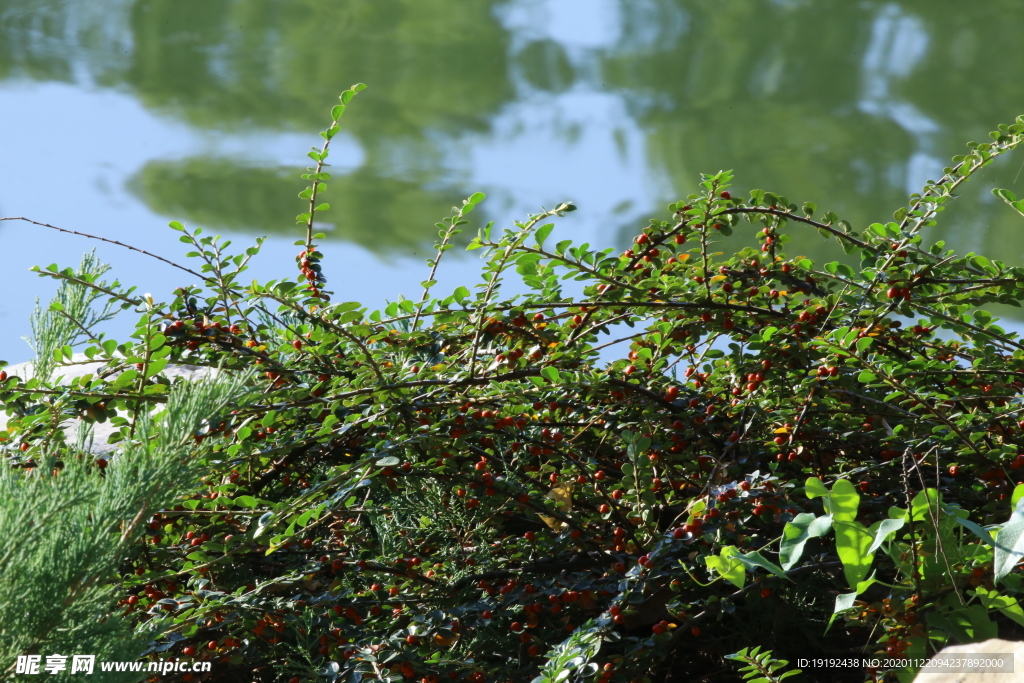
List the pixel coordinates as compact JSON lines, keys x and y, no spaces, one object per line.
{"x":455,"y":488}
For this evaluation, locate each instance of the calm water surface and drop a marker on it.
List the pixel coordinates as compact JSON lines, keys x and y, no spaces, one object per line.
{"x":118,"y":116}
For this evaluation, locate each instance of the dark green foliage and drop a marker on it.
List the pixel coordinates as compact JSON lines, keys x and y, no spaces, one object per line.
{"x":457,"y":487}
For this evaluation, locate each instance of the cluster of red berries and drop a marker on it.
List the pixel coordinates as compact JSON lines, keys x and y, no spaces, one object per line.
{"x":895,"y":292}
{"x":309,"y":265}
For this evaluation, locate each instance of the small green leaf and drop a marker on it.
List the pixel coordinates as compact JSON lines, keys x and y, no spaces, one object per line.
{"x":1018,"y":493}
{"x":550,"y":373}
{"x":155,"y":367}
{"x":542,"y":234}
{"x":864,"y":343}
{"x":1005,"y":195}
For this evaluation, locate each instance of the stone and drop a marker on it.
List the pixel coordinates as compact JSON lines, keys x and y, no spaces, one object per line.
{"x":1012,"y":652}
{"x":81,"y":366}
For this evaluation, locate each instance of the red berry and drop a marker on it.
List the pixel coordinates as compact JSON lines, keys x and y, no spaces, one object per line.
{"x":725,"y":195}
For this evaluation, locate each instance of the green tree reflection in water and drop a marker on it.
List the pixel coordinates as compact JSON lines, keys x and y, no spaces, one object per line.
{"x":849,"y":105}
{"x":438,"y":71}
{"x":435,"y":74}
{"x":377,"y":212}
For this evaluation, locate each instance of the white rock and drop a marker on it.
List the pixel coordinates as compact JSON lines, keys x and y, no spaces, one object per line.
{"x":1011,"y":651}
{"x":83,"y":366}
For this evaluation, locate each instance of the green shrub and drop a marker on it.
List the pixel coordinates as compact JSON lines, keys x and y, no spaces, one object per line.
{"x":456,"y":489}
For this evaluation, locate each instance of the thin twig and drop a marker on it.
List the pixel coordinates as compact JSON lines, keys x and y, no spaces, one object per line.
{"x":104,"y":239}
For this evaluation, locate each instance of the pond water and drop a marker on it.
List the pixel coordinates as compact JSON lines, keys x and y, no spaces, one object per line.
{"x":121,"y":115}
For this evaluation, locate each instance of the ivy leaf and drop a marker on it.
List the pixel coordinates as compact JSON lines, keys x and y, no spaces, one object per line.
{"x":1004,"y":603}
{"x":795,"y":534}
{"x":883,"y":530}
{"x":844,"y":602}
{"x":728,"y":566}
{"x":754,"y":559}
{"x":852,"y":543}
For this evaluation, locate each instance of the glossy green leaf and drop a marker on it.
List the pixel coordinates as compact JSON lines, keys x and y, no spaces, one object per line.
{"x":796,"y":534}
{"x":726,"y":565}
{"x":852,"y":543}
{"x":1009,"y":543}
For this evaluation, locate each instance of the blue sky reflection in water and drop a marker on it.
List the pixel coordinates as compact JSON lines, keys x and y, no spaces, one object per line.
{"x":119,"y":116}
